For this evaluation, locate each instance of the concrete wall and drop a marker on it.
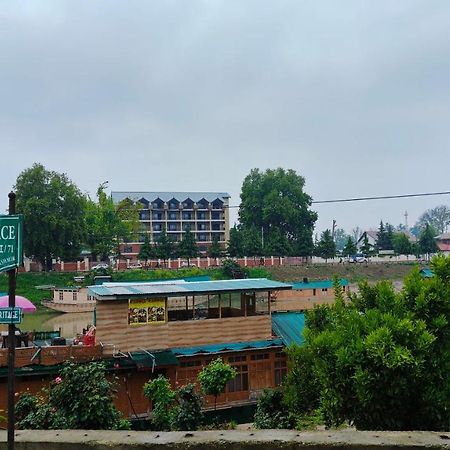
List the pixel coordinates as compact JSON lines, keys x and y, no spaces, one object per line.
{"x":229,"y":440}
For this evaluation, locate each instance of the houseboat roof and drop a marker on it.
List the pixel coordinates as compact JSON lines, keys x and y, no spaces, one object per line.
{"x":116,"y":291}
{"x":318,"y":284}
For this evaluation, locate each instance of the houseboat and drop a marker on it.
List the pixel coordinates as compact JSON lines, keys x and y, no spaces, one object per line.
{"x":174,"y":329}
{"x":306,"y":294}
{"x":71,"y":299}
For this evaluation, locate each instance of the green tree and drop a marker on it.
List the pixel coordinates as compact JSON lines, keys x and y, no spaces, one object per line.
{"x":366,"y":248}
{"x":438,"y":218}
{"x":275,"y":199}
{"x":251,"y":241}
{"x":214,"y":377}
{"x":235,"y":245}
{"x":384,"y":237}
{"x":350,"y":247}
{"x":147,"y":251}
{"x":162,"y":396}
{"x":164,"y":247}
{"x":277,"y":244}
{"x":109,"y":224}
{"x":53,"y":210}
{"x":401,"y":244}
{"x":215,"y":250}
{"x":340,"y":239}
{"x":427,"y":241}
{"x":326,"y":247}
{"x":381,"y":360}
{"x":188,"y":246}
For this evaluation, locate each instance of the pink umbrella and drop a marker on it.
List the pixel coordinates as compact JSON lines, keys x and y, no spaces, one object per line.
{"x":21,"y":302}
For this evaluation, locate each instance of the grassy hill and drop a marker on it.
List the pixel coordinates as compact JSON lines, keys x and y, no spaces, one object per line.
{"x":352,"y":272}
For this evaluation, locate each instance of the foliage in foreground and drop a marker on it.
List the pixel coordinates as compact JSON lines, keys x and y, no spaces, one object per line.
{"x":381,"y":360}
{"x":80,"y":398}
{"x":173,"y":410}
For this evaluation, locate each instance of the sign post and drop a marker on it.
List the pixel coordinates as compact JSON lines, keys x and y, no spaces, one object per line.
{"x":11,"y":257}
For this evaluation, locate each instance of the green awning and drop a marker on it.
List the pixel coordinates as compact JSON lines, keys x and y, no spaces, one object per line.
{"x":149,"y":360}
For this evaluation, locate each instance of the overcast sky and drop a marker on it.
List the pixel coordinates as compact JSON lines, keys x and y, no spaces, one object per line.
{"x":190,"y":95}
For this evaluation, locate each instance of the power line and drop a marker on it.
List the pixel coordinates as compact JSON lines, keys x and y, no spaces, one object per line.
{"x":381,"y":197}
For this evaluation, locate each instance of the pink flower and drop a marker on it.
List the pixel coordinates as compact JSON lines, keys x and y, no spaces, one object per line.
{"x":58,"y":380}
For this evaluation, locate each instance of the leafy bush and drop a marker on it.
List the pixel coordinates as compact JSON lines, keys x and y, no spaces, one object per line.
{"x":80,"y":398}
{"x":231,"y":269}
{"x":188,"y":414}
{"x":271,"y":411}
{"x":381,"y":360}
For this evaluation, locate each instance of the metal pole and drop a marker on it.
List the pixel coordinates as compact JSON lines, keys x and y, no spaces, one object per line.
{"x":11,"y":340}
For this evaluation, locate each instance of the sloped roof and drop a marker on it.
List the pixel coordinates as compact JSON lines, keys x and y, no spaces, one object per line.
{"x":289,"y":327}
{"x":443,"y":236}
{"x":118,"y":196}
{"x":226,"y":347}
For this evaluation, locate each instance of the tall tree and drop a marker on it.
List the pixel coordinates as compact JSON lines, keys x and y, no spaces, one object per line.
{"x":384,"y":237}
{"x":215,"y":250}
{"x":340,"y":239}
{"x":252,"y":242}
{"x":350,"y":247}
{"x":438,"y":218}
{"x":188,"y":246}
{"x":366,"y":248}
{"x":275,"y":199}
{"x":147,"y":251}
{"x":109,"y":224}
{"x":164,"y":247}
{"x":235,"y":244}
{"x":427,"y":241}
{"x":326,"y":248}
{"x":53,"y":209}
{"x":401,"y":244}
{"x":277,"y":244}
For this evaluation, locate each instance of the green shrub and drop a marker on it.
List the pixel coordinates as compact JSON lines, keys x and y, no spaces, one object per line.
{"x":188,"y":414}
{"x":162,"y":396}
{"x":271,"y":411}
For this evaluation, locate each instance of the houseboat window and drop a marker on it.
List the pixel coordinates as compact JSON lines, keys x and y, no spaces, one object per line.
{"x":213,"y":307}
{"x":280,"y":371}
{"x":190,"y":363}
{"x":179,"y":308}
{"x":74,"y":296}
{"x":324,"y":290}
{"x":238,"y":358}
{"x":61,"y":295}
{"x":240,"y":381}
{"x":259,"y":356}
{"x":280,"y":355}
{"x":314,"y":292}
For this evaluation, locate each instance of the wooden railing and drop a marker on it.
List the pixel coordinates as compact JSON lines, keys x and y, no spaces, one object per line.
{"x":52,"y":355}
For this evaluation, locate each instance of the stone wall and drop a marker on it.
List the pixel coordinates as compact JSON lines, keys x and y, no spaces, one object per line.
{"x":229,"y":440}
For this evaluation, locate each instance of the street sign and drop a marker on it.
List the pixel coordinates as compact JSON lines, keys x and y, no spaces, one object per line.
{"x":11,"y":242}
{"x":10,"y":315}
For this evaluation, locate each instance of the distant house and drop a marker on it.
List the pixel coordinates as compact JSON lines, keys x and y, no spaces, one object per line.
{"x":443,"y":242}
{"x":371,"y":239}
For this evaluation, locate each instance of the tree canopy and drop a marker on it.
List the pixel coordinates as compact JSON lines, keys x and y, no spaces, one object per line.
{"x":326,"y":247}
{"x":53,"y":210}
{"x":438,"y":218}
{"x":274,"y":203}
{"x":187,"y":248}
{"x":380,"y":361}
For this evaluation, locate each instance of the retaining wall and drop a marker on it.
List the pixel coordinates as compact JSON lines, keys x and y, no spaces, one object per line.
{"x":229,"y":440}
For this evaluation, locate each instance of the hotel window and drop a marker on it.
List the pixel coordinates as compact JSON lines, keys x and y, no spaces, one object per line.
{"x":187,"y":216}
{"x":215,"y":215}
{"x":61,"y":295}
{"x":172,"y":227}
{"x":172,"y":216}
{"x":128,"y":249}
{"x":240,"y":381}
{"x":201,"y":215}
{"x":156,"y":227}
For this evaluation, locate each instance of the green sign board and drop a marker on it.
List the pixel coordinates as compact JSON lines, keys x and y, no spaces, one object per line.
{"x":11,"y":238}
{"x":10,"y":315}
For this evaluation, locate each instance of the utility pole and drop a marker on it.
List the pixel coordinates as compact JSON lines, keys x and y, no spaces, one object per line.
{"x":406,"y":220}
{"x":11,"y":339}
{"x":333,"y":229}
